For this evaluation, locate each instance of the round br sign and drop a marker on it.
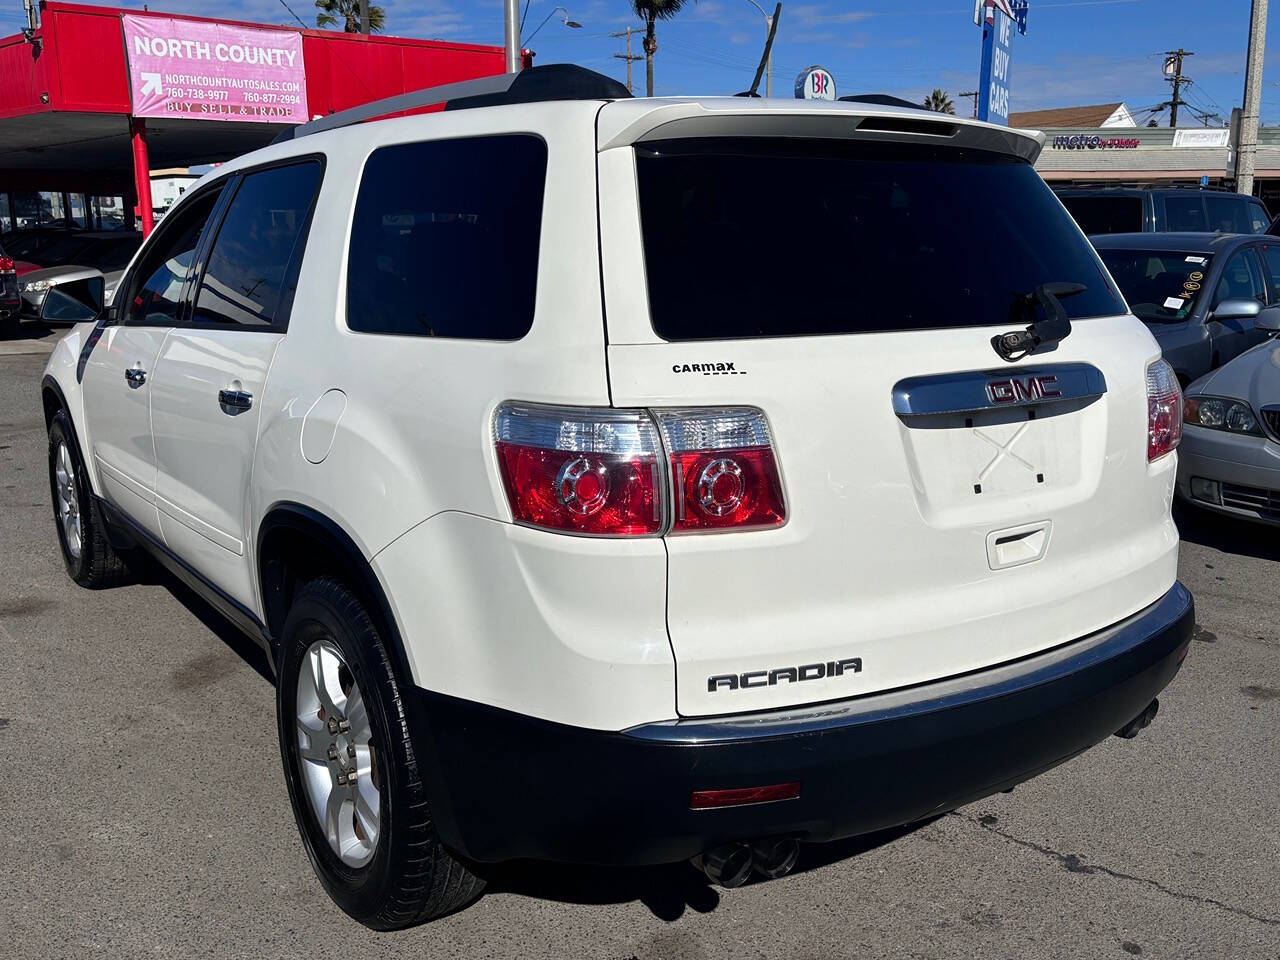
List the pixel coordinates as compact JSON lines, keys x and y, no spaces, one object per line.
{"x":814,"y":83}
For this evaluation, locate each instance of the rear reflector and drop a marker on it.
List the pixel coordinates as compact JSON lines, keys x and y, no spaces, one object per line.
{"x":743,"y":796}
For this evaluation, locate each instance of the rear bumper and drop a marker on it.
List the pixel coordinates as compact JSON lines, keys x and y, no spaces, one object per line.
{"x":509,"y":786}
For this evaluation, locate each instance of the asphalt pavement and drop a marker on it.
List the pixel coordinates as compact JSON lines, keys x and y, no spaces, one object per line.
{"x":145,"y":813}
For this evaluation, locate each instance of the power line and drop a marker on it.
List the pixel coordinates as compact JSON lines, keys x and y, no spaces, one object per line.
{"x":294,"y":15}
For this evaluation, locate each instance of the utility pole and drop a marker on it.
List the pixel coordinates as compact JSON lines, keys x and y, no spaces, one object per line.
{"x":1173,"y":59}
{"x":972,"y":95}
{"x":1252,"y":98}
{"x":364,"y":17}
{"x":628,"y":56}
{"x":511,"y":18}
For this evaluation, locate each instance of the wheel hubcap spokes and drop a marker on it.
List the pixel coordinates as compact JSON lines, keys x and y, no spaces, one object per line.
{"x":337,"y":755}
{"x":68,"y":502}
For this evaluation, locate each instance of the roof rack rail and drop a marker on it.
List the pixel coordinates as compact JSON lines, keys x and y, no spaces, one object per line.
{"x":552,"y":81}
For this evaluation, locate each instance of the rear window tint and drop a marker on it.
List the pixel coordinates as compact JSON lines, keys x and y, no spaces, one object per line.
{"x":777,"y":238}
{"x":1118,"y":214}
{"x":445,"y":239}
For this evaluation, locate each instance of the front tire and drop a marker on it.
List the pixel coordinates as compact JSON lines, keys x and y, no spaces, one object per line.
{"x":90,"y":559}
{"x":350,"y":765}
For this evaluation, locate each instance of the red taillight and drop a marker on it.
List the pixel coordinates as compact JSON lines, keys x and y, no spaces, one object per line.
{"x":1164,"y":410}
{"x":600,"y":471}
{"x":743,"y":796}
{"x":581,"y":469}
{"x":6,"y":265}
{"x":723,"y":470}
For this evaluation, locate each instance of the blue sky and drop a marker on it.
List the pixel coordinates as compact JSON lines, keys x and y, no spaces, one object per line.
{"x":1075,"y":51}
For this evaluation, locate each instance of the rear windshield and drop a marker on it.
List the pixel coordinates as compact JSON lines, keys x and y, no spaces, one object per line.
{"x":1118,"y":214}
{"x":778,"y":238}
{"x":1161,"y":287}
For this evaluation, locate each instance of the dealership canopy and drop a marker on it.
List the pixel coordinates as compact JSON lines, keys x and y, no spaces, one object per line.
{"x":96,"y":95}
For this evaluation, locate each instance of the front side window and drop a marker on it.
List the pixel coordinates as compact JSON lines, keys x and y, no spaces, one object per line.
{"x":251,"y":270}
{"x":777,"y":237}
{"x":163,"y":270}
{"x":1229,"y":213}
{"x":445,"y":238}
{"x":1161,"y":287}
{"x":1241,"y":280}
{"x":1271,"y":253}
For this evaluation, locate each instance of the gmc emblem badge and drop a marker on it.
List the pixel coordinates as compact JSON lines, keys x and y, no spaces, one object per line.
{"x":1023,"y":389}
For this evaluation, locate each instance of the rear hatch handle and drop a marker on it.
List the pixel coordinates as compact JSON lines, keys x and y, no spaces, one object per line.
{"x":1055,"y":326}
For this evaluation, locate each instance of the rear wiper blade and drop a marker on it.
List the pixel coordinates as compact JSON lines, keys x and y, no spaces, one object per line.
{"x":1055,"y":326}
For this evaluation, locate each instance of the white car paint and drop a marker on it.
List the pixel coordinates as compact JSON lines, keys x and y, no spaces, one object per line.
{"x":882,"y":557}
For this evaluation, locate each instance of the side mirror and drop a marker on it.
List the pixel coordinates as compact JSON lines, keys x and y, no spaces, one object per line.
{"x":75,"y":300}
{"x":1268,"y":320}
{"x":1236,"y":310}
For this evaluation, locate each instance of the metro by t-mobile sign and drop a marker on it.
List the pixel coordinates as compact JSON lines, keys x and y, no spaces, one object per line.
{"x":997,"y":18}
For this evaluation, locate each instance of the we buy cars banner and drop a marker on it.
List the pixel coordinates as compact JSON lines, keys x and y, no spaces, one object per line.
{"x":214,"y":71}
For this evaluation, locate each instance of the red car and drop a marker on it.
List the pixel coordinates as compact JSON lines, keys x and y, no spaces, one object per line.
{"x":10,"y":302}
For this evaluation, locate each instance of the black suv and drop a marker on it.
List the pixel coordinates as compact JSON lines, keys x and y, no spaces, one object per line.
{"x":1148,"y":209}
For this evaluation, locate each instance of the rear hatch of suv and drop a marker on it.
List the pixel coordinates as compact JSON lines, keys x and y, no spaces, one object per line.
{"x":843,"y":275}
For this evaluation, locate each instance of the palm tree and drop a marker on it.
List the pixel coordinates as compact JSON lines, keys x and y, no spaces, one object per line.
{"x":651,"y":11}
{"x":348,"y":12}
{"x":938,"y":101}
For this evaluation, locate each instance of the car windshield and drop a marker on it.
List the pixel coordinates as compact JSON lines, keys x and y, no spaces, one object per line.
{"x":1161,"y":286}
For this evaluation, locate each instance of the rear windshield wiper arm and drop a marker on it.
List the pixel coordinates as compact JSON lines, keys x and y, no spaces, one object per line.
{"x":1055,"y":326}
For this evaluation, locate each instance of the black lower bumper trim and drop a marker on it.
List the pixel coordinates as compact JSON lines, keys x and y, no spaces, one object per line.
{"x":510,"y":786}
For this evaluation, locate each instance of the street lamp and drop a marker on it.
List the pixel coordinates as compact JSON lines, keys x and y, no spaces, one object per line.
{"x":571,"y":24}
{"x":768,"y":26}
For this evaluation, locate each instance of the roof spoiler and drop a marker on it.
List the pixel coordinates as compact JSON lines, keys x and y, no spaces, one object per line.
{"x":552,"y":81}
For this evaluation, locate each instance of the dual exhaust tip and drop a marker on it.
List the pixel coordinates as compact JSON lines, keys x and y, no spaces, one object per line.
{"x":730,"y":864}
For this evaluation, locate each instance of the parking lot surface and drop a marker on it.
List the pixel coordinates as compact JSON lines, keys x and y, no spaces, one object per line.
{"x":146,"y":814}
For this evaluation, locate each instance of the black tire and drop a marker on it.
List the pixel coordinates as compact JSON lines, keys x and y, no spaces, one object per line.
{"x":410,"y":877}
{"x":95,"y":564}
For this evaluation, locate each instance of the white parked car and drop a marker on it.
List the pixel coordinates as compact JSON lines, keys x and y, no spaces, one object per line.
{"x":628,"y":481}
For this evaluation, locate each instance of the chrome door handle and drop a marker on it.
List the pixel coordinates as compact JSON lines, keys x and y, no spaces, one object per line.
{"x":135,"y":376}
{"x":235,"y":399}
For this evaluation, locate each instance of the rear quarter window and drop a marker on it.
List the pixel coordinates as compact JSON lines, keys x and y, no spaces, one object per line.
{"x":779,"y":237}
{"x":445,"y":238}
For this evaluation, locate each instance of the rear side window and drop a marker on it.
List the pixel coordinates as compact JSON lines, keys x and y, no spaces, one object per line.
{"x":252,"y":268}
{"x":1184,"y":213}
{"x":779,"y":237}
{"x":1118,"y":214}
{"x":445,"y":239}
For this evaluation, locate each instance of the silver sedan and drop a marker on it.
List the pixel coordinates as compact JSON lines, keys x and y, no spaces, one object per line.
{"x":1229,"y":460}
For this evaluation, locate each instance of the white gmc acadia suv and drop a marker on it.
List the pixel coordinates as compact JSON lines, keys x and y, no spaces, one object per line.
{"x":627,"y":481}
